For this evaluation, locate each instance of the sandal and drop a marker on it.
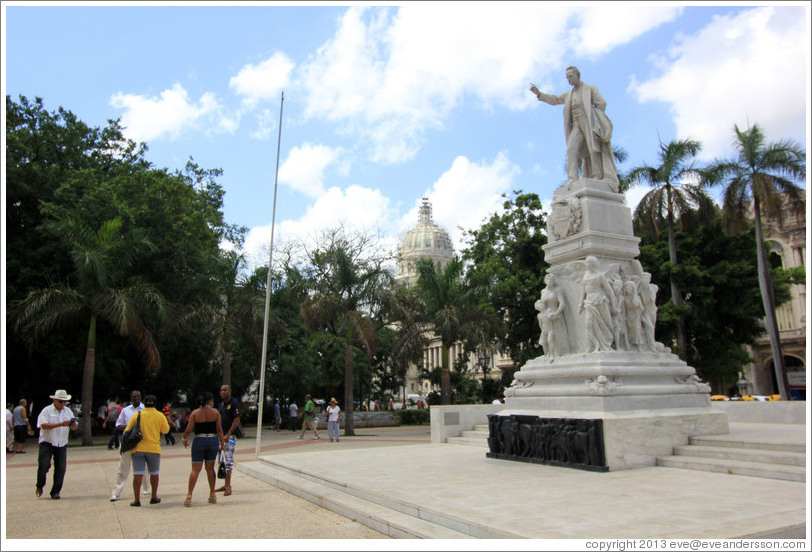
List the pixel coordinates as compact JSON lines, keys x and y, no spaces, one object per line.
{"x":154,"y":500}
{"x":227,"y":492}
{"x":135,"y":503}
{"x":187,"y":502}
{"x":213,"y":499}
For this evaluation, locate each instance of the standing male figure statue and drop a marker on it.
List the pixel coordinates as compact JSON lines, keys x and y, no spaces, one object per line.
{"x":587,"y":129}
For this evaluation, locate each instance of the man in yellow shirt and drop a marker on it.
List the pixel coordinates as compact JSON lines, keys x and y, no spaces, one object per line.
{"x":147,"y":453}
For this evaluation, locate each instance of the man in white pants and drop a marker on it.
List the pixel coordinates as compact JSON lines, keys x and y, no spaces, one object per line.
{"x":125,"y":464}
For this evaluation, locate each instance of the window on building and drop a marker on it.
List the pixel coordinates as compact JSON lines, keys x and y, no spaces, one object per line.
{"x":776,"y":255}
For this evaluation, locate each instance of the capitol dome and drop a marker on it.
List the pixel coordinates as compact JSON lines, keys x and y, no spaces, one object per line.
{"x":426,"y":240}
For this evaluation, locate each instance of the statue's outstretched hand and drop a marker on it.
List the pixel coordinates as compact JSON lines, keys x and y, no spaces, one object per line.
{"x":534,"y":89}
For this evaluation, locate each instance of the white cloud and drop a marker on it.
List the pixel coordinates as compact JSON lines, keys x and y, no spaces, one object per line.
{"x":303,"y":169}
{"x":357,"y":209}
{"x":391,"y":75}
{"x":263,"y":81}
{"x":742,"y":69}
{"x":171,"y":113}
{"x":466,"y":194}
{"x":606,"y":25}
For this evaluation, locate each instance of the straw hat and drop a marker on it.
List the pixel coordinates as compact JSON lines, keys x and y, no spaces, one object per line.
{"x":61,"y":395}
{"x":333,"y":401}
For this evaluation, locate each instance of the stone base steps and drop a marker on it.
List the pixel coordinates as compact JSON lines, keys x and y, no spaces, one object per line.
{"x":477,"y":437}
{"x":394,"y":518}
{"x":716,"y":453}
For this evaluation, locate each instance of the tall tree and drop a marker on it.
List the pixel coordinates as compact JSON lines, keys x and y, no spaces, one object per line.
{"x":454,"y":310}
{"x":673,"y":196}
{"x":57,"y":167}
{"x":725,"y":304}
{"x":99,"y":292}
{"x":347,"y":287}
{"x":505,"y":255}
{"x":761,"y":178}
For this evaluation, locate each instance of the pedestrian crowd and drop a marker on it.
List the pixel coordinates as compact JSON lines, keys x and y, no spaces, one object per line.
{"x":211,"y":433}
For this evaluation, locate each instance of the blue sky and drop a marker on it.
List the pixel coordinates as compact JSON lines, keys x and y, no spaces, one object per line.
{"x":384,"y":105}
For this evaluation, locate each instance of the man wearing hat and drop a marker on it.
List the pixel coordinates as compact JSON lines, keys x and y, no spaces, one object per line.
{"x":54,"y":423}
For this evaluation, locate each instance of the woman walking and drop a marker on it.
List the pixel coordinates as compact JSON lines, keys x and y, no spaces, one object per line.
{"x":147,"y":453}
{"x":209,"y":440}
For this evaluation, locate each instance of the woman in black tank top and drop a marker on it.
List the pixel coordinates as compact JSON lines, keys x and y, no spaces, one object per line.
{"x":205,"y":423}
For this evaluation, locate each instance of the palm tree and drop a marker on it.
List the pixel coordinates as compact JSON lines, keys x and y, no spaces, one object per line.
{"x":762,"y":175}
{"x":346,"y":291}
{"x":236,"y":312}
{"x":100,"y":265}
{"x":671,"y":199}
{"x":452,"y":311}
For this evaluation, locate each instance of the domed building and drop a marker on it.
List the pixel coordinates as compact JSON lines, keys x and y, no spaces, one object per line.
{"x":426,"y":240}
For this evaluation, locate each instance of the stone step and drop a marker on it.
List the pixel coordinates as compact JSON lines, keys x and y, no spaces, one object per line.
{"x":732,"y":442}
{"x":743,"y":454}
{"x":395,"y":518}
{"x":735,"y":467}
{"x":475,"y":441}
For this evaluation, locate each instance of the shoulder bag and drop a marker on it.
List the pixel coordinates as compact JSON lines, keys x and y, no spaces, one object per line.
{"x":132,"y":436}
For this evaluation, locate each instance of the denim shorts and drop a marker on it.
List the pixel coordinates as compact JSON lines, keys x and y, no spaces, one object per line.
{"x":149,"y":460}
{"x":205,"y":448}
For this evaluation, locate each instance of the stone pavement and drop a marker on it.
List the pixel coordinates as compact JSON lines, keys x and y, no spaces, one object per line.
{"x":255,"y":510}
{"x":522,"y":500}
{"x":460,"y":492}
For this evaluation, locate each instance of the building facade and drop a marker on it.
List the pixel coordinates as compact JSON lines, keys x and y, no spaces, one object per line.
{"x":787,"y":249}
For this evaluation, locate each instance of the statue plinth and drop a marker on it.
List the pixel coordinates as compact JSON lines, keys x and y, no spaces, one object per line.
{"x":597,"y":315}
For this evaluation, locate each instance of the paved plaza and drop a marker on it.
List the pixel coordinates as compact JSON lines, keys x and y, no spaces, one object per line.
{"x":522,"y":500}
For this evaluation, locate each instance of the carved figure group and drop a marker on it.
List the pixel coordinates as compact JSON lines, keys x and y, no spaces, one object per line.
{"x":572,"y":442}
{"x":620,"y":312}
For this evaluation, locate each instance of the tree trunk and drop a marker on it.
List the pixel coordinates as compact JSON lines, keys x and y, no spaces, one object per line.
{"x":349,"y":427}
{"x":768,"y":300}
{"x":445,"y":377}
{"x":676,"y":295}
{"x":227,"y":368}
{"x":87,"y":384}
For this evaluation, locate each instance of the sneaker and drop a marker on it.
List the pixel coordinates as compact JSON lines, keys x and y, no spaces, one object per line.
{"x":316,"y":438}
{"x":300,"y":437}
{"x":113,"y":498}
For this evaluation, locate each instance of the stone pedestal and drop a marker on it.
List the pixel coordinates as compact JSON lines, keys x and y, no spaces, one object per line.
{"x":604,"y":363}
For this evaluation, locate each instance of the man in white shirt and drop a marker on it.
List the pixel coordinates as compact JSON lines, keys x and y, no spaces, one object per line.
{"x":54,"y":423}
{"x":125,"y":462}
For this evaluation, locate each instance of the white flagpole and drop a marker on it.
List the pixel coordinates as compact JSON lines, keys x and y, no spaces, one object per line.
{"x":261,"y":393}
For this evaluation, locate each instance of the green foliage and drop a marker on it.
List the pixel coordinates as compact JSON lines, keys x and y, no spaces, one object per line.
{"x":59,"y":168}
{"x":413,"y":416}
{"x":505,"y":254}
{"x":722,"y":302}
{"x":454,"y":309}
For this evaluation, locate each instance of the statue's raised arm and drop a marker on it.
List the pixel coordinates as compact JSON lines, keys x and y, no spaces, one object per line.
{"x":587,"y":129}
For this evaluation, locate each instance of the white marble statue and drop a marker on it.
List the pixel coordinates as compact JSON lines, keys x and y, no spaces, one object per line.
{"x":633,"y":307}
{"x":648,"y":295}
{"x":587,"y":128}
{"x":619,"y":318}
{"x":551,"y":319}
{"x":598,"y":305}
